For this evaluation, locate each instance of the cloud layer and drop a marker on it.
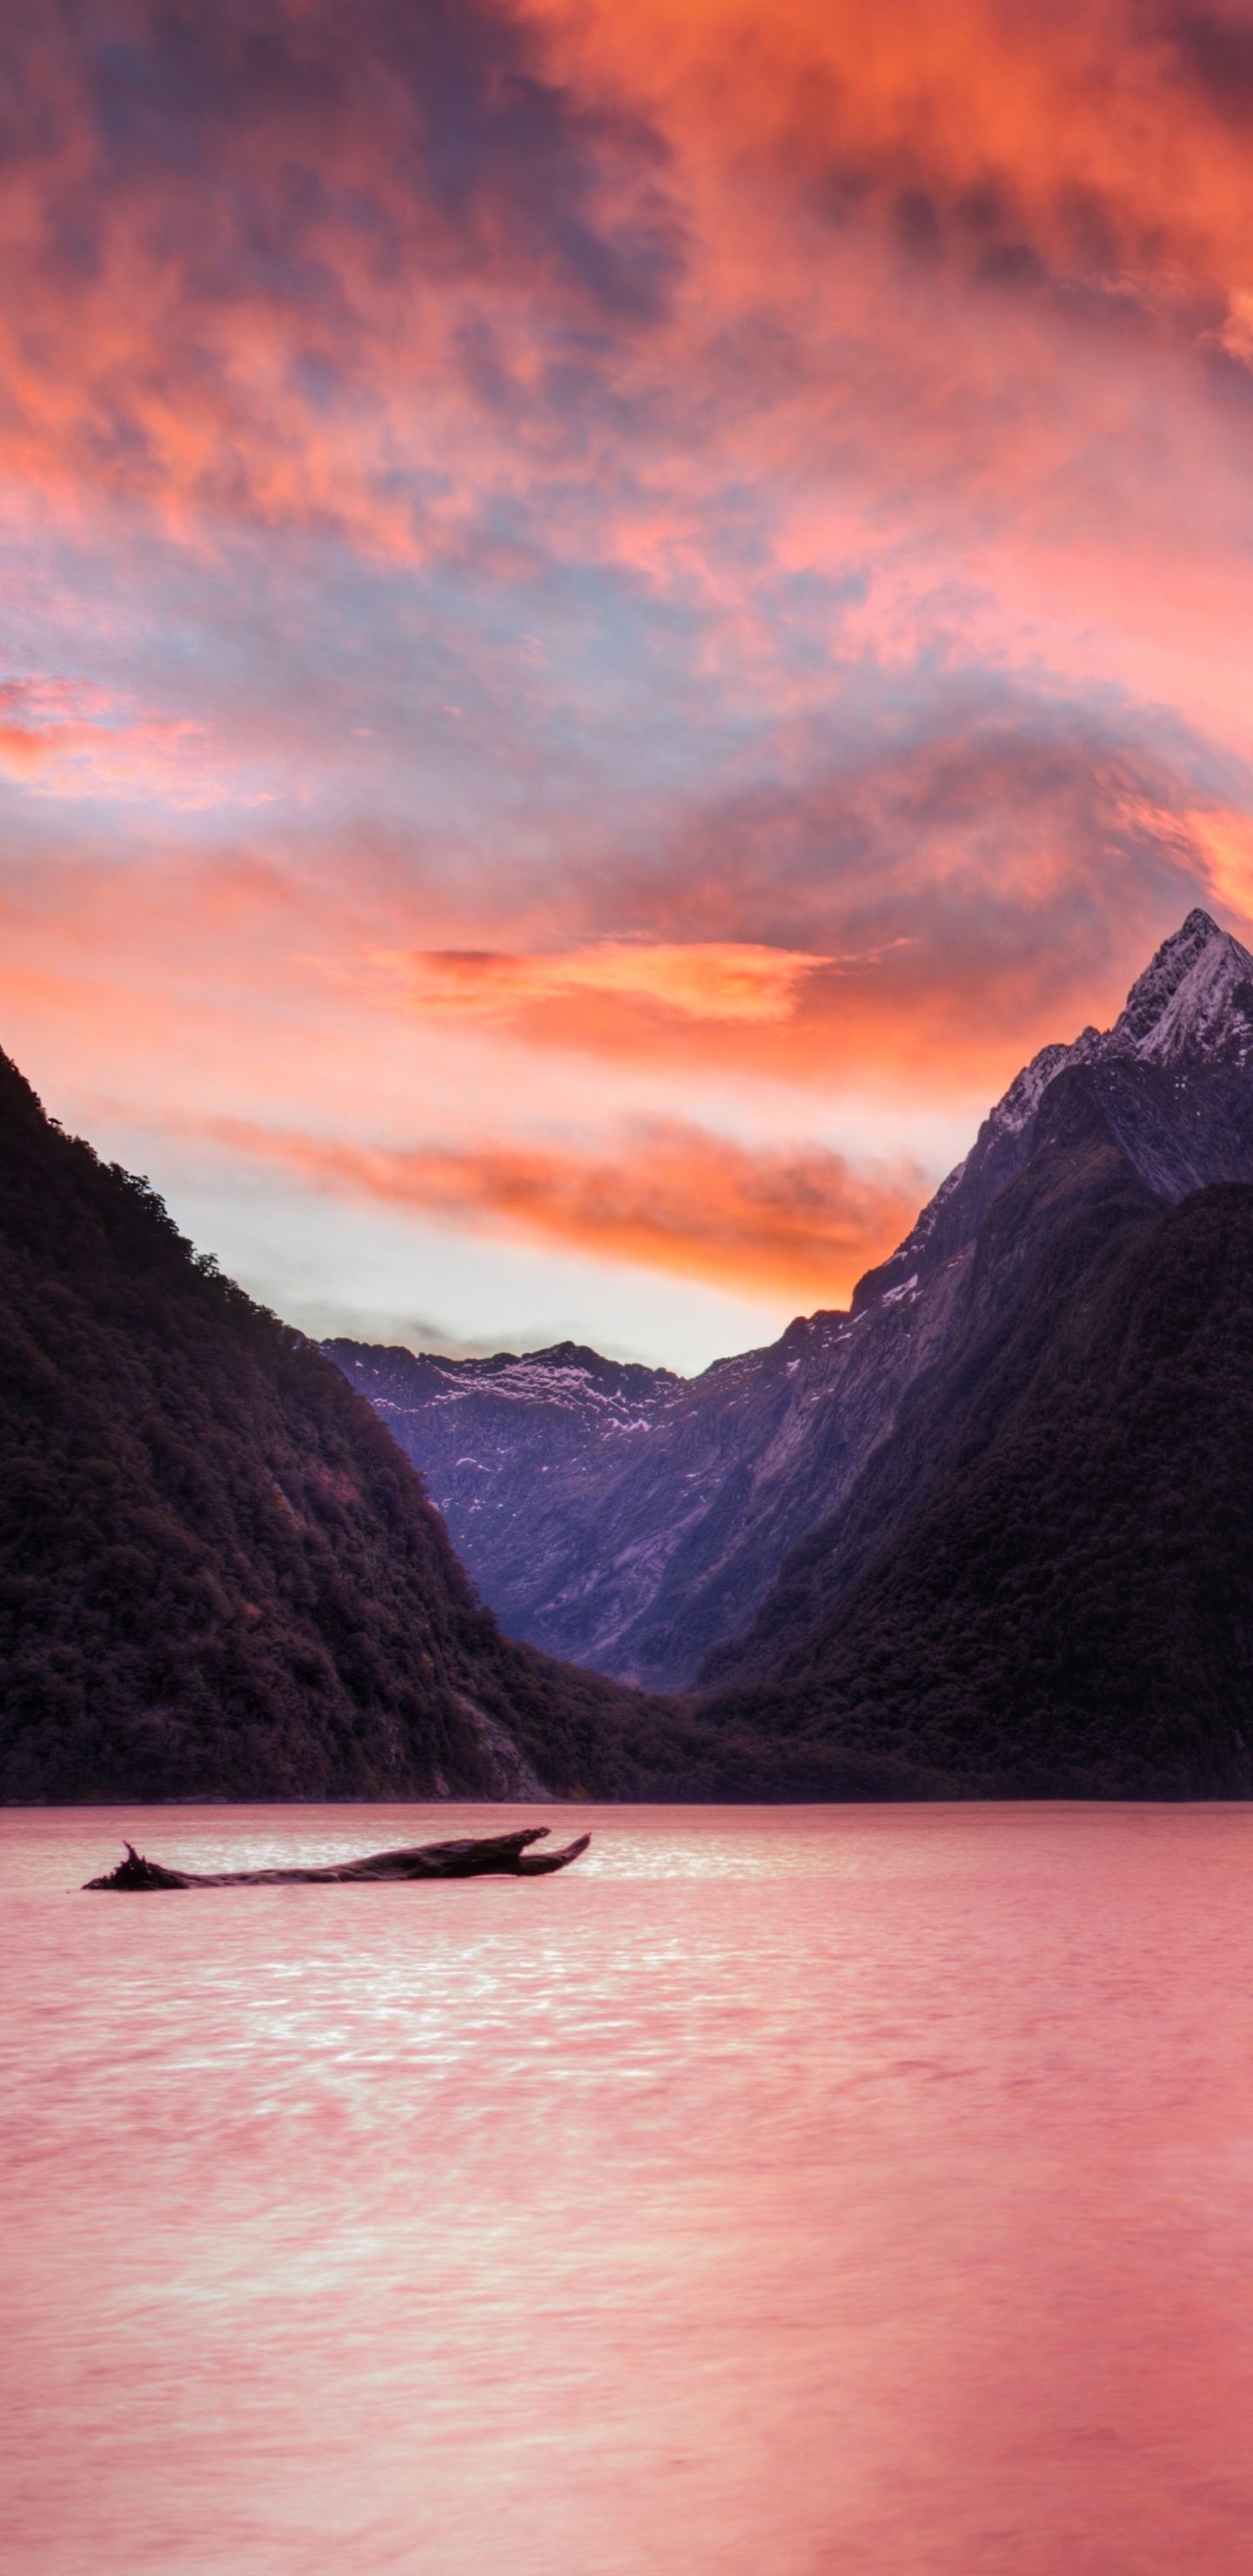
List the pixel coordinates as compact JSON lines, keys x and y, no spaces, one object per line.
{"x":667,"y":1196}
{"x":682,"y":567}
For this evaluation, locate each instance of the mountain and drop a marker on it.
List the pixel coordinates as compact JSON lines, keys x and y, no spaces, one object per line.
{"x":515,"y":1452}
{"x":1068,"y":1609}
{"x":628,"y":1518}
{"x":1171,"y":1073}
{"x":642,"y":1523}
{"x":219,"y":1576}
{"x":1148,"y":1112}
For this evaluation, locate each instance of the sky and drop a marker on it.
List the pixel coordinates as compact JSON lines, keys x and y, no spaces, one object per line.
{"x":608,"y":615}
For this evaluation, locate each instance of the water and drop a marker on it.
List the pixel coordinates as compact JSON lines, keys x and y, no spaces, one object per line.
{"x":777,"y":2193}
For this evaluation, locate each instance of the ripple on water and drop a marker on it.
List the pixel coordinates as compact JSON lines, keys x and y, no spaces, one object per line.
{"x":802,"y":2190}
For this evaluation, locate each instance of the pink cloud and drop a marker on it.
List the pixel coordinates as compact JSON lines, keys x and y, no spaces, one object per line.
{"x":723,"y":532}
{"x":666,"y":1196}
{"x":69,"y":740}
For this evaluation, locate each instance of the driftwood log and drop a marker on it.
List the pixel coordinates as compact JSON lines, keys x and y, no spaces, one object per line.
{"x":505,"y":1853}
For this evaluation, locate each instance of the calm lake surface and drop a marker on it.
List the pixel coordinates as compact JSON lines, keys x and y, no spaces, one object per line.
{"x":803,"y":2192}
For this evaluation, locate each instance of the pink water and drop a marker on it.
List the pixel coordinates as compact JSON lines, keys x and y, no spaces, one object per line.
{"x":801,"y":2193}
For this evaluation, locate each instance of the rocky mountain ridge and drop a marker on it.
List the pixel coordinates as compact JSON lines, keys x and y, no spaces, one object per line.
{"x":643,"y":1528}
{"x":1190,"y":1016}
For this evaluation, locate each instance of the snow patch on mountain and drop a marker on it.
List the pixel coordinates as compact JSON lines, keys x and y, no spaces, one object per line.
{"x":1192,"y":1005}
{"x":1196,"y":999}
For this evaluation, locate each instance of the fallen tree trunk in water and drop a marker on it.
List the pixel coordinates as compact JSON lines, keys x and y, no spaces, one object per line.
{"x":505,"y":1853}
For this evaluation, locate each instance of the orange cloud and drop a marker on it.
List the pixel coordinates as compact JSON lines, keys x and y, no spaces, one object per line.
{"x":985,"y":135}
{"x":445,"y":245}
{"x":703,"y":980}
{"x":1002,"y":875}
{"x":671,"y":1197}
{"x":1226,"y":842}
{"x":724,"y":527}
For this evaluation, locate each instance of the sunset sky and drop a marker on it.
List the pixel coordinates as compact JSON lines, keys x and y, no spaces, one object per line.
{"x":609,"y":615}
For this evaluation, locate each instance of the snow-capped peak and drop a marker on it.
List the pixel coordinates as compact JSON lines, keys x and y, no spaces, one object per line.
{"x":1196,"y":998}
{"x":1193,"y":1003}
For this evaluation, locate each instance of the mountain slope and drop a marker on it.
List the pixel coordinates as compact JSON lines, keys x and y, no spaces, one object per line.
{"x":1070,"y":1611}
{"x":1029,"y":1265}
{"x":1173,"y":1073}
{"x":647,"y":1533}
{"x":506,"y":1446}
{"x":1158,"y":1107}
{"x":218,"y":1574}
{"x":633,"y":1526}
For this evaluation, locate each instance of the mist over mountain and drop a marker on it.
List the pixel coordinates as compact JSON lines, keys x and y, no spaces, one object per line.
{"x":641,"y":1523}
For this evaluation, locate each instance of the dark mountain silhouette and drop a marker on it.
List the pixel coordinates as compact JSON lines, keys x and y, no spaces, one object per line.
{"x":639,"y":1522}
{"x":218,"y":1574}
{"x":1159,"y":1107}
{"x":1069,"y":1610}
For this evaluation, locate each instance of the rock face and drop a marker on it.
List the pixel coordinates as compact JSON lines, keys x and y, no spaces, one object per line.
{"x":218,"y":1574}
{"x":626,"y":1517}
{"x":641,"y":1523}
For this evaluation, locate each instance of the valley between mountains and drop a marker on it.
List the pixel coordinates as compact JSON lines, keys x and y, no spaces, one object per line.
{"x":985,"y":1534}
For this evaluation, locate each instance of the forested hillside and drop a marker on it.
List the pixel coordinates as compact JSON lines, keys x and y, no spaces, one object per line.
{"x":218,"y":1574}
{"x":1070,"y":1610}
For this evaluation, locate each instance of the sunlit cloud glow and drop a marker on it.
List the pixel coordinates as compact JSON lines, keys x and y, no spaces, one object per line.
{"x":797,"y":1223}
{"x":683,"y":563}
{"x":705,"y":980}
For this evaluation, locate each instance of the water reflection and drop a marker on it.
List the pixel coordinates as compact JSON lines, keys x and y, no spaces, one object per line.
{"x":799,"y":2192}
